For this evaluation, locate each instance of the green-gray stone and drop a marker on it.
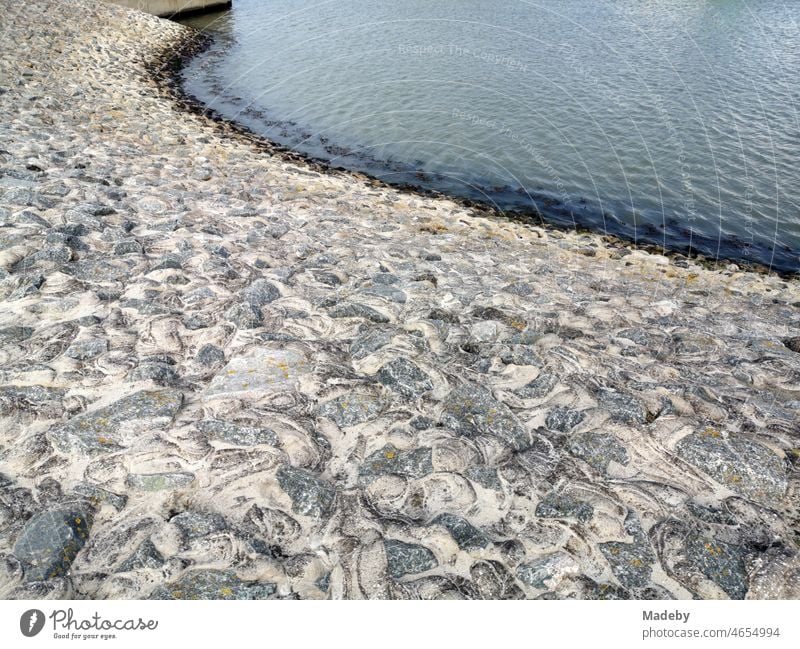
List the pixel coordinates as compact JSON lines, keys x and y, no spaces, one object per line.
{"x":237,"y":434}
{"x":34,"y":399}
{"x":50,"y":541}
{"x":721,"y":562}
{"x":214,"y":584}
{"x":472,"y":411}
{"x":535,"y":573}
{"x":597,"y":450}
{"x":350,"y":409}
{"x":405,"y":377}
{"x":97,"y":495}
{"x":260,"y":293}
{"x":97,"y":432}
{"x":195,"y":525}
{"x":414,"y":463}
{"x":98,"y":271}
{"x":742,"y":465}
{"x":159,"y":481}
{"x":563,"y":419}
{"x":370,"y":341}
{"x":631,"y":563}
{"x":355,"y":310}
{"x":558,"y":505}
{"x":485,"y":476}
{"x":261,"y":370}
{"x":311,"y":495}
{"x":145,"y":556}
{"x":465,"y":534}
{"x":407,"y":558}
{"x":622,"y":407}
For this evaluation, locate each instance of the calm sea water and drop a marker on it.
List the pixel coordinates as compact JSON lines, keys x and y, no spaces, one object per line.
{"x":668,"y":121}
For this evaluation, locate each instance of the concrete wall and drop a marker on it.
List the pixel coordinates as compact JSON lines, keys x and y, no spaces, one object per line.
{"x":173,"y":7}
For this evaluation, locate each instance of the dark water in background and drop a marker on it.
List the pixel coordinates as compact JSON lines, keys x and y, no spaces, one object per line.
{"x":668,"y":121}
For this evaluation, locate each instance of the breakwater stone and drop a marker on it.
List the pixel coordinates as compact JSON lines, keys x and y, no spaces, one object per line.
{"x":472,"y":411}
{"x":745,"y":466}
{"x":273,"y":381}
{"x":311,"y":495}
{"x":262,"y":370}
{"x":50,"y":541}
{"x":98,"y":432}
{"x":214,"y":584}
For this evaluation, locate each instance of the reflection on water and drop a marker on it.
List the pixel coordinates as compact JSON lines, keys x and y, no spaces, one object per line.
{"x":671,"y":121}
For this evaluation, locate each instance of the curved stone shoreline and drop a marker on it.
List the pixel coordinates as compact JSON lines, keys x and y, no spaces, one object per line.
{"x":225,"y":374}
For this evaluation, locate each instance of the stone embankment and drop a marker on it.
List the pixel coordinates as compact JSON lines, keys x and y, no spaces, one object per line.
{"x":226,"y":374}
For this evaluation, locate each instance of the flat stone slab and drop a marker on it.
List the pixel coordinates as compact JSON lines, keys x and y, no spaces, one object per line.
{"x":262,"y":370}
{"x":472,"y":411}
{"x":50,"y":541}
{"x":414,"y":463}
{"x":742,"y":465}
{"x":237,"y":434}
{"x":214,"y":584}
{"x":350,"y":409}
{"x":311,"y":496}
{"x":98,"y":431}
{"x":407,"y":558}
{"x":159,"y":481}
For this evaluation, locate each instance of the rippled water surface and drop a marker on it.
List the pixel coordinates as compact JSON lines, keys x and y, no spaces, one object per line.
{"x":669,"y":121}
